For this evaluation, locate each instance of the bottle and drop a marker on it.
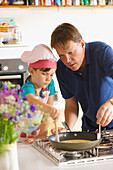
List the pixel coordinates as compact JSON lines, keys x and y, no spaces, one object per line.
{"x":77,"y":2}
{"x":110,"y":2}
{"x":81,"y":2}
{"x":95,"y":2}
{"x":86,"y":2}
{"x":5,"y":2}
{"x":100,"y":2}
{"x":104,"y":2}
{"x":58,"y":2}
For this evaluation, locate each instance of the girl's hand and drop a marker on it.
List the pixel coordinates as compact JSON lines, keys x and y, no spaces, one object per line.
{"x":105,"y":114}
{"x":60,"y":129}
{"x":54,"y":113}
{"x":30,"y":140}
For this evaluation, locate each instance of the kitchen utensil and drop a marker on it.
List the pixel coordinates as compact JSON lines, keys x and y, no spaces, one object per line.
{"x":56,"y":130}
{"x":99,"y":134}
{"x":66,"y":126}
{"x":75,"y":136}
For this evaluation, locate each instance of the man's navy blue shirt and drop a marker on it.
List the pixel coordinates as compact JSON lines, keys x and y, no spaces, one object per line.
{"x":94,"y":86}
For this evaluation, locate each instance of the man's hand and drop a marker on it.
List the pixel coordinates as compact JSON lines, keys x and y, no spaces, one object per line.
{"x":105,"y":114}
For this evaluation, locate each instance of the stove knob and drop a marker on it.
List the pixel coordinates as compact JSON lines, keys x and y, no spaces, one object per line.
{"x":20,"y":67}
{"x":5,"y":68}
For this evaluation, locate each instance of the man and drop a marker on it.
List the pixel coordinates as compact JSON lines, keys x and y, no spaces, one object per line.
{"x":85,"y":75}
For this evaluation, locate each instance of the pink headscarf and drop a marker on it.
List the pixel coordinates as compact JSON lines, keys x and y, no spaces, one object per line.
{"x":40,"y":57}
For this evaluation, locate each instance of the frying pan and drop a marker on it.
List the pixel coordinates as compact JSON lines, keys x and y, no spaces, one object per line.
{"x":75,"y":146}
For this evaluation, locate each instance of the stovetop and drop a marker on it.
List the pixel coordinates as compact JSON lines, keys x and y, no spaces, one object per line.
{"x":103,"y":152}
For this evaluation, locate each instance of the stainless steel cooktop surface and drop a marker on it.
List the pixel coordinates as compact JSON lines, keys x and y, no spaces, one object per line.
{"x":103,"y":152}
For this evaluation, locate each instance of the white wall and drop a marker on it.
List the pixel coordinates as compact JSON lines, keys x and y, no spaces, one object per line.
{"x":37,"y":25}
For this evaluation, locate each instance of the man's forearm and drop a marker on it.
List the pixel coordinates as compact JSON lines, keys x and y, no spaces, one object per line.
{"x":71,"y":112}
{"x":71,"y":119}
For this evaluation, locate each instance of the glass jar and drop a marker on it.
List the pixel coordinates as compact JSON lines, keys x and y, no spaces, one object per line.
{"x":17,"y":2}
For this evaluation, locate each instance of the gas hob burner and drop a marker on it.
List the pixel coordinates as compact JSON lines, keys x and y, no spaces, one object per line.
{"x":107,"y":133}
{"x":72,"y":155}
{"x":105,"y":140}
{"x":105,"y":147}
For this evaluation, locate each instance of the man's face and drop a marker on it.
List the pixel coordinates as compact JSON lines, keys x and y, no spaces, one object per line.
{"x":73,"y":56}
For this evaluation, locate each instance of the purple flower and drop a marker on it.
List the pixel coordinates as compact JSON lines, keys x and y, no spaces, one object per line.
{"x":21,"y":90}
{"x":17,"y":113}
{"x":6,"y":87}
{"x":13,"y":118}
{"x":18,"y":87}
{"x":30,"y":115}
{"x":25,"y":99}
{"x":32,"y":107}
{"x":8,"y":115}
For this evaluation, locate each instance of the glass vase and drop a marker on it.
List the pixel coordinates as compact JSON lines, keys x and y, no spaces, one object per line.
{"x":9,"y":160}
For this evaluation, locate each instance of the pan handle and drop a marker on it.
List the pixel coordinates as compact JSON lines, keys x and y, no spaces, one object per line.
{"x":66,"y":126}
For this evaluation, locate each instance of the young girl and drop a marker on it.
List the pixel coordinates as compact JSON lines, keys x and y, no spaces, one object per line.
{"x":39,"y":87}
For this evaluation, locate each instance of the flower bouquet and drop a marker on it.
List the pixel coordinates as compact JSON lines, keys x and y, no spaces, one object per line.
{"x":13,"y":108}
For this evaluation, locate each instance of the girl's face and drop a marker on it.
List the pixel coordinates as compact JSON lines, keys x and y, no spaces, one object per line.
{"x":41,"y":79}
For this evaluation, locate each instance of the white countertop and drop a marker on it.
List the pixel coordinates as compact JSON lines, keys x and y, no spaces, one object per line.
{"x":31,"y":159}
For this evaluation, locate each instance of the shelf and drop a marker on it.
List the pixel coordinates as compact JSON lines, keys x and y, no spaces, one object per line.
{"x":36,"y":6}
{"x":13,"y":45}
